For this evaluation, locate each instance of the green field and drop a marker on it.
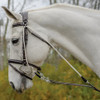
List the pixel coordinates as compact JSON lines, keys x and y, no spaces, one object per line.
{"x":45,"y":91}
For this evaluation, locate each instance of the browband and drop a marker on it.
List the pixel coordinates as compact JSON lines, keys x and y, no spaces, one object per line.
{"x":18,"y":24}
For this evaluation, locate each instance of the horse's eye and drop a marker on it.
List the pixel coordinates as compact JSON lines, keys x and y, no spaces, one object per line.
{"x":15,"y":41}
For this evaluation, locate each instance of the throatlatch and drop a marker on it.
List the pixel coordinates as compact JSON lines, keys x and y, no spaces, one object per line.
{"x":25,"y":61}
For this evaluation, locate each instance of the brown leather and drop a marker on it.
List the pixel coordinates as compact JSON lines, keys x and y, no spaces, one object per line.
{"x":18,"y":24}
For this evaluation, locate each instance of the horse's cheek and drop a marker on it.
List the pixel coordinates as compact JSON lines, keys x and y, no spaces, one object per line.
{"x":38,"y":54}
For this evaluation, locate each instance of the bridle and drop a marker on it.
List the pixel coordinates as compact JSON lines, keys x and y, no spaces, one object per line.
{"x":25,"y":62}
{"x":24,"y":43}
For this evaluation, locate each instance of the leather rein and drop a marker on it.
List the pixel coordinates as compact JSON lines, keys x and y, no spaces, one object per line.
{"x":24,"y":62}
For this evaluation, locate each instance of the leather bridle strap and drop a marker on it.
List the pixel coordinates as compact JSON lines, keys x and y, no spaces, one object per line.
{"x":21,"y":73}
{"x":21,"y":62}
{"x":24,"y":36}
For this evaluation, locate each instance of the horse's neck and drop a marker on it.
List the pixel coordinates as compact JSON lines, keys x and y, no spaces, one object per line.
{"x":72,"y":30}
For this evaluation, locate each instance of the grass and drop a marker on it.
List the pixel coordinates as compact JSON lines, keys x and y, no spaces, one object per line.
{"x":46,"y":91}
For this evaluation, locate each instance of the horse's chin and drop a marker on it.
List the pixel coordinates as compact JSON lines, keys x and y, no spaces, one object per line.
{"x":29,"y":84}
{"x":19,"y":82}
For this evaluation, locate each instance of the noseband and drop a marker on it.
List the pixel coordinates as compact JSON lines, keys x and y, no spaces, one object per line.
{"x":25,"y":62}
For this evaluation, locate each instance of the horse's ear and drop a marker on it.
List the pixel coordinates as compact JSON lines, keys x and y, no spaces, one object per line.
{"x":10,"y":14}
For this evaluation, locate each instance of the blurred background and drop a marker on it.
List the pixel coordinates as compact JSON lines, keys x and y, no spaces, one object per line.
{"x":58,"y":69}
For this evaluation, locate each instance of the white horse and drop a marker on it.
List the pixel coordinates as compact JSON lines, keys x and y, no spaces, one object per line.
{"x":74,"y":28}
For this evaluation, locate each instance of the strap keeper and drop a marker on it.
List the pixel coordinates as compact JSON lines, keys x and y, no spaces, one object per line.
{"x":25,"y":22}
{"x":24,"y":62}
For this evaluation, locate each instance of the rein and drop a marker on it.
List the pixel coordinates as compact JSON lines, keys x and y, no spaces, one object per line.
{"x":25,"y":62}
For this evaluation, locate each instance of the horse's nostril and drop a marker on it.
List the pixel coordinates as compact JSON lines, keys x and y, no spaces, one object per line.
{"x":12,"y":85}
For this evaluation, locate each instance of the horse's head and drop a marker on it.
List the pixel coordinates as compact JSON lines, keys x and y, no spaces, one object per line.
{"x":36,"y":52}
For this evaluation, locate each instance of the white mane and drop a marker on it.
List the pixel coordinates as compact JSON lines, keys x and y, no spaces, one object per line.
{"x":78,"y":9}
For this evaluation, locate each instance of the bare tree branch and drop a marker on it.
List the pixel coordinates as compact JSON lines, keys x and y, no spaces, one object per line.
{"x":12,"y":5}
{"x":4,"y":39}
{"x":8,"y":6}
{"x":77,"y":2}
{"x":23,"y":6}
{"x":50,"y":2}
{"x":95,"y":5}
{"x":1,"y":47}
{"x":84,"y":4}
{"x":98,"y":4}
{"x":74,"y":2}
{"x":55,"y":1}
{"x":15,"y":9}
